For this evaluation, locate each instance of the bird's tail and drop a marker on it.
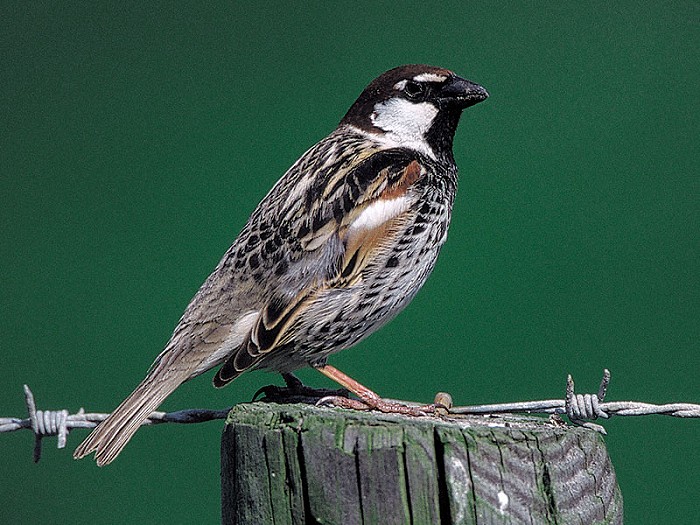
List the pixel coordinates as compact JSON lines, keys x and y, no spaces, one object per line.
{"x":111,"y":436}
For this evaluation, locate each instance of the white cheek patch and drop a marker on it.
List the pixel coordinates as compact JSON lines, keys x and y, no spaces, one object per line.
{"x":380,"y":212}
{"x":408,"y":122}
{"x":429,"y":77}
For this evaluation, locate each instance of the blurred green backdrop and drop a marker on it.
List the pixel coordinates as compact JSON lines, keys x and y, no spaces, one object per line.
{"x":136,"y":139}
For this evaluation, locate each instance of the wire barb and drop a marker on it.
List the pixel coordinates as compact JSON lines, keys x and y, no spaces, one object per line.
{"x":581,"y":409}
{"x":44,"y":423}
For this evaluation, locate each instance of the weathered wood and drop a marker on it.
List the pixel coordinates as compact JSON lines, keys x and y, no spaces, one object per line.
{"x":300,"y":464}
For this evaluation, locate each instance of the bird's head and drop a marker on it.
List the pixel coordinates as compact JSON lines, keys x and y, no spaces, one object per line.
{"x":415,"y":106}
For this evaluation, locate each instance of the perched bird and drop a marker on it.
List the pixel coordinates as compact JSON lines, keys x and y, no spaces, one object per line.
{"x":337,"y":248}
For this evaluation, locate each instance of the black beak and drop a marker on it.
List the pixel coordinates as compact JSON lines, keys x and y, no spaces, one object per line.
{"x":462,"y":93}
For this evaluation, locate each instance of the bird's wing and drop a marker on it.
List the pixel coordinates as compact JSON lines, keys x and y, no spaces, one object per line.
{"x":341,"y":221}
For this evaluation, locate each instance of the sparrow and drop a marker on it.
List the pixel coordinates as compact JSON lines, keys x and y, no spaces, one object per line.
{"x":336,"y":249}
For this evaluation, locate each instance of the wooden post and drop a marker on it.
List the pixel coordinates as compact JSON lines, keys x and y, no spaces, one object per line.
{"x":298,"y":464}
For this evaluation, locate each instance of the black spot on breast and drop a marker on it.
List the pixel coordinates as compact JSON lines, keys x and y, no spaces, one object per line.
{"x":276,"y":256}
{"x":252,"y":242}
{"x":281,"y":268}
{"x":283,"y":231}
{"x":393,"y":262}
{"x":265,"y":231}
{"x":254,"y":261}
{"x":418,"y":229}
{"x":278,"y":240}
{"x":270,"y":246}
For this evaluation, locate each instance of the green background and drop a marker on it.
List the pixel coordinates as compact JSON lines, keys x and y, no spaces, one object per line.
{"x":136,"y":140}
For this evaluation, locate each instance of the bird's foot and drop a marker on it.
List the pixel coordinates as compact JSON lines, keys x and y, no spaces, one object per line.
{"x":369,"y":400}
{"x":382,"y":405}
{"x":297,"y":392}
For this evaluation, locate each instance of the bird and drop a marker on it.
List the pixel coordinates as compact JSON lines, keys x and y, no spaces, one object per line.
{"x":335,"y":250}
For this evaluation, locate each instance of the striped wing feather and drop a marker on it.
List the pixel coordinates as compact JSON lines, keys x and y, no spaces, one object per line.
{"x":362,"y":230}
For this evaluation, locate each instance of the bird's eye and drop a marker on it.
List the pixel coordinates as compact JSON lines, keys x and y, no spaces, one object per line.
{"x":414,"y":90}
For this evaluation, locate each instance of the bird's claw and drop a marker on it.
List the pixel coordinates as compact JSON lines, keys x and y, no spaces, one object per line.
{"x":343,"y":402}
{"x":381,"y":405}
{"x":296,"y":392}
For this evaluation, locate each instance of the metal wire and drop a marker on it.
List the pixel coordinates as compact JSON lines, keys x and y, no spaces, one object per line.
{"x":44,"y":423}
{"x":581,"y":409}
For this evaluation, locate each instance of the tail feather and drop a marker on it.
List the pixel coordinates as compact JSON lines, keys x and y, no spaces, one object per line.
{"x":194,"y":348}
{"x":109,"y":438}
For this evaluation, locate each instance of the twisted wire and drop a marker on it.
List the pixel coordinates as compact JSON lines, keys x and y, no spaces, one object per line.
{"x":581,"y":410}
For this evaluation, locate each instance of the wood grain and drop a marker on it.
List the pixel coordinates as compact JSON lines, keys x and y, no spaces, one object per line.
{"x":300,"y":464}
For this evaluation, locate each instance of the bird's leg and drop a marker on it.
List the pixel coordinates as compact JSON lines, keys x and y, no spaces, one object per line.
{"x":296,"y":392}
{"x":368,"y":400}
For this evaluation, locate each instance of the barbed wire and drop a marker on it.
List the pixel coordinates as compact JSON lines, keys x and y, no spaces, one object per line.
{"x":45,"y":423}
{"x":581,"y":409}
